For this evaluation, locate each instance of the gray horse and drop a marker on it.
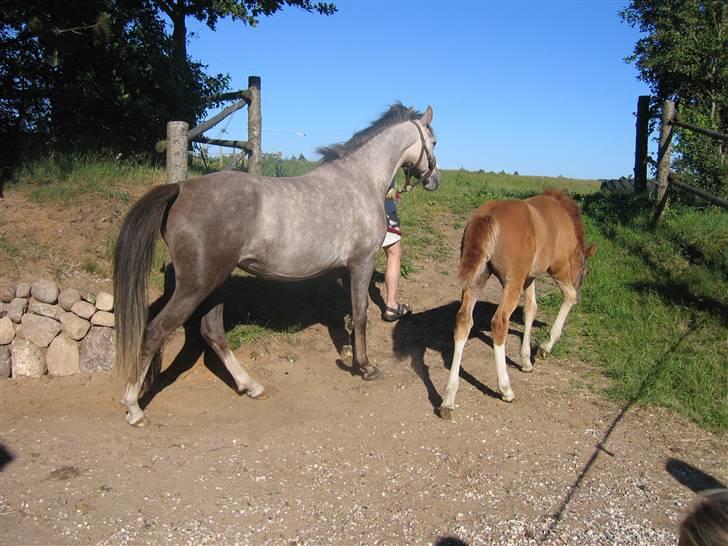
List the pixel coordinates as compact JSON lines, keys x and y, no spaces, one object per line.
{"x":286,"y":229}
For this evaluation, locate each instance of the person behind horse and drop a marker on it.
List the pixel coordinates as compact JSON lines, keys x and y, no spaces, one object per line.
{"x":393,"y":249}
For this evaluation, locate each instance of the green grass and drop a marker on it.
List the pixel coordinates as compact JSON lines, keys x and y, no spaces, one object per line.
{"x":654,"y":309}
{"x":63,"y":179}
{"x":245,"y":334}
{"x":460,"y":193}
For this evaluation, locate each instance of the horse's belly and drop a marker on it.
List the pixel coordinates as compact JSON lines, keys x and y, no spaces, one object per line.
{"x":293,"y":270}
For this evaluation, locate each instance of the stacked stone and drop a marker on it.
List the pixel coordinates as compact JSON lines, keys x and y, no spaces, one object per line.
{"x":60,"y":332}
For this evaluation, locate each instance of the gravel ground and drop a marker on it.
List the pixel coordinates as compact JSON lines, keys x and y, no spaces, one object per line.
{"x":329,"y":459}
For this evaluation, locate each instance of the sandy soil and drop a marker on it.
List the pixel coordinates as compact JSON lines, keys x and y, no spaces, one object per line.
{"x":329,"y":458}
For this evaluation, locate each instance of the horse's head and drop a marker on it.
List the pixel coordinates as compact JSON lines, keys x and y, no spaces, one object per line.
{"x":583,"y":269}
{"x":424,"y":168}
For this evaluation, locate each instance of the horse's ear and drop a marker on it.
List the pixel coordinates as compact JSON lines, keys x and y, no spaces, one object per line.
{"x":427,"y":116}
{"x":590,"y":251}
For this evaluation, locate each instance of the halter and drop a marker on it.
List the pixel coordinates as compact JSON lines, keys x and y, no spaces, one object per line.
{"x":407,"y":168}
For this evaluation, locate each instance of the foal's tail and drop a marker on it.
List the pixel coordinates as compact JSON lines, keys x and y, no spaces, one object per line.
{"x":132,"y":261}
{"x":477,"y":247}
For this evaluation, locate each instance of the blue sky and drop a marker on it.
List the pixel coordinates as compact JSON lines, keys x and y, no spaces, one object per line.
{"x":538,"y":87}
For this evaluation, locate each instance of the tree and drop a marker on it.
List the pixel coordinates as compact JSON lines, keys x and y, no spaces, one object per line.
{"x":106,"y":74}
{"x":684,"y":57}
{"x":93,"y":74}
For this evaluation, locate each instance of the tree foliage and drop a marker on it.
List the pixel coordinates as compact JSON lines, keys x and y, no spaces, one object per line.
{"x":107,"y":74}
{"x":683,"y":56}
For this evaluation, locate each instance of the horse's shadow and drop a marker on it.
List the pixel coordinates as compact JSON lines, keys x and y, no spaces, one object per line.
{"x":433,"y":329}
{"x":278,"y":307}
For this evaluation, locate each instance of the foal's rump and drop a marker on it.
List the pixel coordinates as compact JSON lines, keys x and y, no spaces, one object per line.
{"x":494,"y":227}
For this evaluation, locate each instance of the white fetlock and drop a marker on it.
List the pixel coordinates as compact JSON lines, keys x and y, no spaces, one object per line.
{"x":256,"y":391}
{"x":446,"y":412}
{"x":139,"y":420}
{"x":507,"y":395}
{"x":526,"y":365}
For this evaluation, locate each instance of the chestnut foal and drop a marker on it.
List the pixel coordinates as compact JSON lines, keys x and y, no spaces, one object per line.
{"x":516,"y":241}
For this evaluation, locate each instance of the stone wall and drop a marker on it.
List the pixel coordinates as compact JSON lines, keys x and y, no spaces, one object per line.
{"x":45,"y":329}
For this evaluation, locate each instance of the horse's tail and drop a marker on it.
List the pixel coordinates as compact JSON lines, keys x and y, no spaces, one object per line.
{"x":133,"y":257}
{"x":477,"y":246}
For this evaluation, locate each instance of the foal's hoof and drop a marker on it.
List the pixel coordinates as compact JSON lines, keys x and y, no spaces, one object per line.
{"x":542,"y":353}
{"x":257,"y":395}
{"x":446,"y":413}
{"x":508,"y":396}
{"x":527,"y":369}
{"x":371,"y":373}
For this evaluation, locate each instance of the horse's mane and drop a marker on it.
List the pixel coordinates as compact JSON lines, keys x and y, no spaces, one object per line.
{"x":397,"y":113}
{"x":572,"y":210}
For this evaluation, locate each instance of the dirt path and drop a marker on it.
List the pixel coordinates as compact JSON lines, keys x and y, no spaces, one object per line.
{"x":331,"y":459}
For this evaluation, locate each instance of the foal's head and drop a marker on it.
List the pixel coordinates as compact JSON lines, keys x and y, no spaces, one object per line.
{"x":579,"y":256}
{"x":580,"y":267}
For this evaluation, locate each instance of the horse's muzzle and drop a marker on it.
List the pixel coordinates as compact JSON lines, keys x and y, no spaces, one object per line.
{"x":432,"y":183}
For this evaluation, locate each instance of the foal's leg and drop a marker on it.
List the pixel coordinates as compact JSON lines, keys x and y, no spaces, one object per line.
{"x":463,"y":325}
{"x":177,"y":310}
{"x":499,"y":331}
{"x":213,"y":330}
{"x":360,"y":277}
{"x":529,"y":314}
{"x":569,"y":293}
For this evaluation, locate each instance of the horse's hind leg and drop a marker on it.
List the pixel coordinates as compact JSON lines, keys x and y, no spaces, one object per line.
{"x":213,"y":330}
{"x":463,"y":324}
{"x":177,"y":310}
{"x":569,"y":293}
{"x":529,"y":314}
{"x":499,"y":326}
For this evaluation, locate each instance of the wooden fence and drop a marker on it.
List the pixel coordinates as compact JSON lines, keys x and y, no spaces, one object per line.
{"x":665,"y":178}
{"x":179,"y":136}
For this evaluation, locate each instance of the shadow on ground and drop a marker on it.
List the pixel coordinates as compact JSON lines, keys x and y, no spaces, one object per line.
{"x":433,"y":329}
{"x":691,"y":477}
{"x":280,"y":307}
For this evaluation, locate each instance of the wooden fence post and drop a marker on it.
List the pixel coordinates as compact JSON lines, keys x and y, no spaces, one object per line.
{"x":640,"y":149}
{"x":176,"y":151}
{"x":663,"y":153}
{"x":254,"y":124}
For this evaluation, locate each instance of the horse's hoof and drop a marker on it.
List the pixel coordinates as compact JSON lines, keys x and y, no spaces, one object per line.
{"x":446,"y":413}
{"x":141,"y":423}
{"x":508,"y":397}
{"x":371,"y":373}
{"x":527,"y":369}
{"x":262,"y":395}
{"x":542,"y":353}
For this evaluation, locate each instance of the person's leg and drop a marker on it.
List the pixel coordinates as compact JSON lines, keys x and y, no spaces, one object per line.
{"x":392,"y":272}
{"x":393,"y":311}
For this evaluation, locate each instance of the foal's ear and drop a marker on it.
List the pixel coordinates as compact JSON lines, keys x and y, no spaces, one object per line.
{"x":590,"y":251}
{"x":427,"y":116}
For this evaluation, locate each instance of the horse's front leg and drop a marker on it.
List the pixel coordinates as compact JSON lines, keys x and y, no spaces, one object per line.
{"x":569,"y":293}
{"x":361,"y":276}
{"x":529,"y":314}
